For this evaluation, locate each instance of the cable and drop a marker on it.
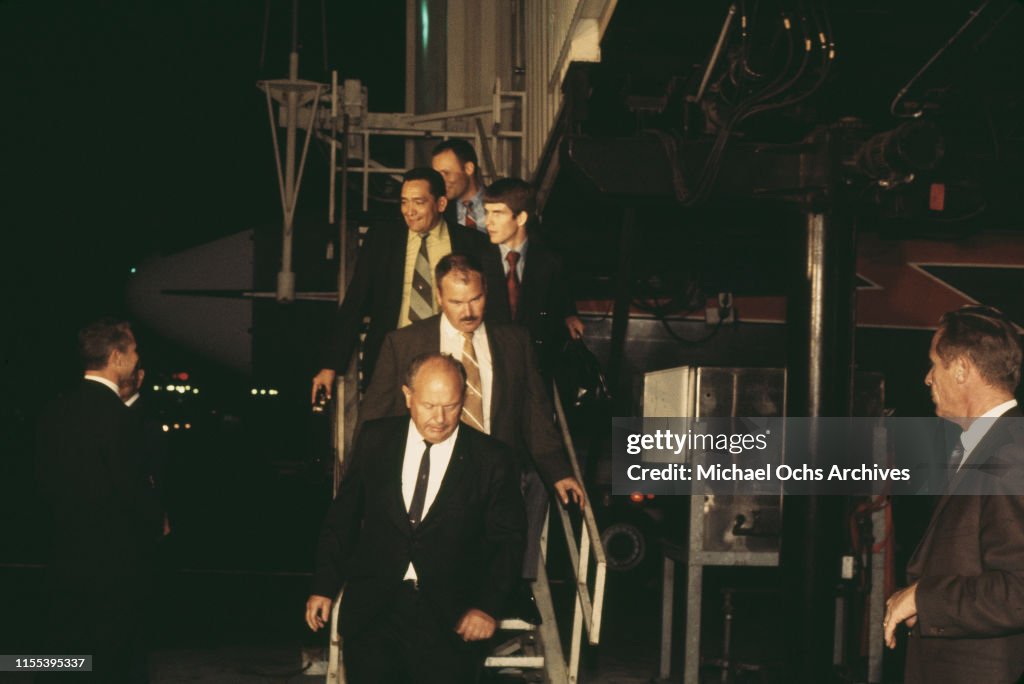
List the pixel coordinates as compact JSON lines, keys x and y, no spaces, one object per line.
{"x":927,"y":65}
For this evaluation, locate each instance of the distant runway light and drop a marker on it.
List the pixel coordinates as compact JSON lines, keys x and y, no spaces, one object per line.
{"x":255,"y":391}
{"x":167,"y":428}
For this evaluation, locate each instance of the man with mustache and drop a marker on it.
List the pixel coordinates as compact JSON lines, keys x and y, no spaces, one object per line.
{"x":965,"y":602}
{"x":505,"y":395}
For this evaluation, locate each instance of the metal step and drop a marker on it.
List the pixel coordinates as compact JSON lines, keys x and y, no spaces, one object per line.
{"x":524,"y":662}
{"x":517,"y":625}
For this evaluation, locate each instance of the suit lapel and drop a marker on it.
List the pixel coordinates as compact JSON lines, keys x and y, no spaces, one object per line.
{"x":497,"y":289}
{"x":978,"y":456}
{"x":495,"y":342}
{"x":531,"y":270}
{"x":395,"y":268}
{"x":394,"y":455}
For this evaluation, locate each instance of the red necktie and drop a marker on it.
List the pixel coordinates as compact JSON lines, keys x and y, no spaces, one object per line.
{"x":470,"y":221}
{"x":512,"y":283}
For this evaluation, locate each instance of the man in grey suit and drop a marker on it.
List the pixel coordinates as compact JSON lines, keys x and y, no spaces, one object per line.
{"x":965,"y":602}
{"x":505,"y":394}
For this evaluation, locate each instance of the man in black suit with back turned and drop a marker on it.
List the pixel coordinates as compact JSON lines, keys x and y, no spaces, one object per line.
{"x":393,"y":277}
{"x":965,"y":602}
{"x":425,"y":534}
{"x":533,"y":290}
{"x":105,"y":517}
{"x":506,"y":396}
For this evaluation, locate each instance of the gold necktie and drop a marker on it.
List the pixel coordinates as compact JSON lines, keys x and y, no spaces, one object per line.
{"x":473,"y":406}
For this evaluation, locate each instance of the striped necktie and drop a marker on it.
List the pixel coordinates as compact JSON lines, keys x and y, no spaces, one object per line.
{"x":470,"y":221}
{"x":473,"y":406}
{"x":421,"y":294}
{"x":955,"y":458}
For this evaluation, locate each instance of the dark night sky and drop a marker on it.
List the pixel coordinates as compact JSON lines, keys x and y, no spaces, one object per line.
{"x":133,"y":128}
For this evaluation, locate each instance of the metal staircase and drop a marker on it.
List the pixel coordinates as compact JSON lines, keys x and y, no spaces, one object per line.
{"x":510,"y":132}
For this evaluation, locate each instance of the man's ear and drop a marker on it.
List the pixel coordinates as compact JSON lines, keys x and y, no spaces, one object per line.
{"x":408,"y":396}
{"x":961,"y":369}
{"x":442,"y":204}
{"x":522,"y":217}
{"x":469,"y":168}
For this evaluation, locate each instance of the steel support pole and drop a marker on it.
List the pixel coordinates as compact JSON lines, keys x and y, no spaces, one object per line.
{"x":820,"y":370}
{"x":286,"y":277}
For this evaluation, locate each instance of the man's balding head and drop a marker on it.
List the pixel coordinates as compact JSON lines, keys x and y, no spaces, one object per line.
{"x":434,"y":387}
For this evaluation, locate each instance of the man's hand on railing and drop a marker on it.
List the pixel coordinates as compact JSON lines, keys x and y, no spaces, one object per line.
{"x":476,"y":625}
{"x":569,"y":488}
{"x":318,"y":611}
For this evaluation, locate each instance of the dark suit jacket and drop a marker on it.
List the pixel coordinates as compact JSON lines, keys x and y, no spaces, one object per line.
{"x":93,"y":473}
{"x":376,"y":290}
{"x":451,"y":214}
{"x":467,"y":551}
{"x":520,"y":409}
{"x":544,"y":299}
{"x":969,"y":568}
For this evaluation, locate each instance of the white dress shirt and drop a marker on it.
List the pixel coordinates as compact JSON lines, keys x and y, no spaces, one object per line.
{"x":520,"y":265}
{"x":476,"y":209}
{"x":104,"y":381}
{"x":440,"y":456}
{"x":973,"y":435}
{"x":452,"y":342}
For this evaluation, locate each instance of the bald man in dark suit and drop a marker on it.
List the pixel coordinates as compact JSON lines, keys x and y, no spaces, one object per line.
{"x":426,"y":535}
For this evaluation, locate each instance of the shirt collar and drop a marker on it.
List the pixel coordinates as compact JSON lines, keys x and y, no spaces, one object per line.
{"x":973,"y":435}
{"x":522,"y":250}
{"x":476,"y":200}
{"x":415,"y":438}
{"x":104,"y":381}
{"x":439,"y":230}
